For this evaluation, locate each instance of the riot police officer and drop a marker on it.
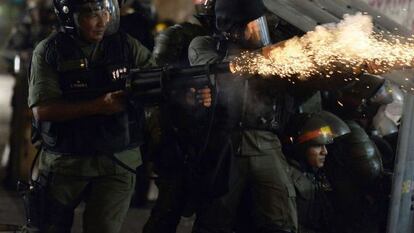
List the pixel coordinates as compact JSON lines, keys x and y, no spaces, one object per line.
{"x":86,"y":124}
{"x":249,"y":115}
{"x":137,"y":22}
{"x":171,"y":45}
{"x":181,"y":128}
{"x":368,"y":102}
{"x":244,"y":152}
{"x":309,"y":135}
{"x":355,"y":169}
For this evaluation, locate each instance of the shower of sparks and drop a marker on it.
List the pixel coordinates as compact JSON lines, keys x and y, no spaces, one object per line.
{"x":331,"y":49}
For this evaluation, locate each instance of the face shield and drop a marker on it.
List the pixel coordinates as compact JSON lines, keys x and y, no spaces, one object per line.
{"x":388,"y":117}
{"x":383,"y":123}
{"x":106,"y":12}
{"x":254,"y":34}
{"x":258,"y":32}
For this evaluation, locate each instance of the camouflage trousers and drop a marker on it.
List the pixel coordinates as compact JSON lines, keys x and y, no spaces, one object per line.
{"x":106,"y":201}
{"x":272,"y":197}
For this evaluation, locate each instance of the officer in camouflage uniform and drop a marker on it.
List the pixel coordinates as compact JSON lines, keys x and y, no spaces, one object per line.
{"x":137,"y":22}
{"x":85,"y":136}
{"x":244,"y":149}
{"x":181,"y":129}
{"x":309,"y":134}
{"x":171,"y":45}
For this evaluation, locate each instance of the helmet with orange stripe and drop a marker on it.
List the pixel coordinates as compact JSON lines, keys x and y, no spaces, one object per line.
{"x":310,"y":133}
{"x":314,"y":131}
{"x":309,"y":138}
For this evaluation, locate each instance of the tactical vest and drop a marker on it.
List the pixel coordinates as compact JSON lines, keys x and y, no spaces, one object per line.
{"x":250,"y":103}
{"x":253,"y":102}
{"x":81,"y":80}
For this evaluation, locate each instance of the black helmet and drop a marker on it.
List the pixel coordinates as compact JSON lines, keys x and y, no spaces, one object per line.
{"x":233,"y":13}
{"x":68,"y":11}
{"x":243,"y":22}
{"x":338,"y":126}
{"x":363,"y":98}
{"x":310,"y":129}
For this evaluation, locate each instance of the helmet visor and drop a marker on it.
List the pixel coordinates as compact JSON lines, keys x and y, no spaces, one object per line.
{"x":106,"y":12}
{"x":257,"y":33}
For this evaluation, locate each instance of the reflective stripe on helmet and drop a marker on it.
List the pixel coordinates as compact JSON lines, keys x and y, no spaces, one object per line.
{"x":324,"y":131}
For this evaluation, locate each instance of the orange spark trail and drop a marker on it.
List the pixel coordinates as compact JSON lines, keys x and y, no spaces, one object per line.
{"x":351,"y":43}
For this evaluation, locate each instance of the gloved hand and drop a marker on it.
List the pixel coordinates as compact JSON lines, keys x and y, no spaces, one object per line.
{"x":199,"y":96}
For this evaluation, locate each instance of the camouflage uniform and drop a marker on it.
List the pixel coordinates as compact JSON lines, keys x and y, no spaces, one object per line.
{"x":105,"y":186}
{"x":258,"y":164}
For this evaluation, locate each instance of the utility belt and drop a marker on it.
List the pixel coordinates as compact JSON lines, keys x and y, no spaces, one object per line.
{"x":97,"y":153}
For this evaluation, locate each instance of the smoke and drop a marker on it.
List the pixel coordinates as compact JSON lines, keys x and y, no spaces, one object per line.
{"x":330,"y":50}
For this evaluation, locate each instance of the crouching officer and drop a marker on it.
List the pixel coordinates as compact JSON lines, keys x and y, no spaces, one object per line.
{"x":311,"y":134}
{"x":86,"y":137}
